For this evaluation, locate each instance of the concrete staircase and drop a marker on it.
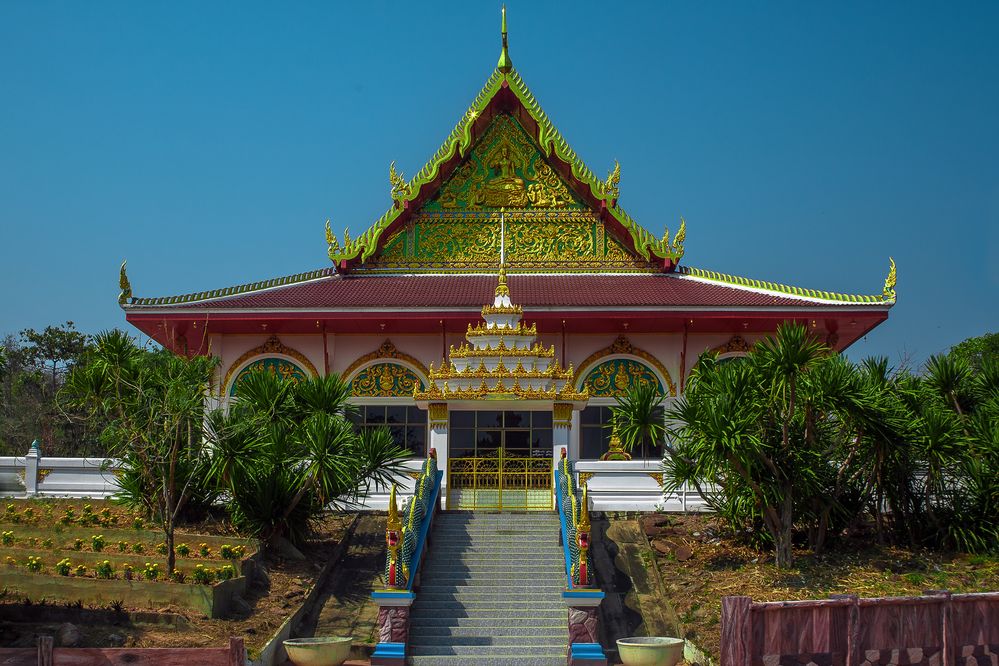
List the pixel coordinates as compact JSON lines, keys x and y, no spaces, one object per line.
{"x":490,"y":593}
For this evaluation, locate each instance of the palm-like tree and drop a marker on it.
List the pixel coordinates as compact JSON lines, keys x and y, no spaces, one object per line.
{"x":284,"y":452}
{"x":151,"y":405}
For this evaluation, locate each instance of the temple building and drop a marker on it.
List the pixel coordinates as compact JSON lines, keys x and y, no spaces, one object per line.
{"x":496,"y":311}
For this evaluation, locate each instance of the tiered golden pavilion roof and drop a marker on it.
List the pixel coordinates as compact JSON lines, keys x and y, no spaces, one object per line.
{"x":501,"y":360}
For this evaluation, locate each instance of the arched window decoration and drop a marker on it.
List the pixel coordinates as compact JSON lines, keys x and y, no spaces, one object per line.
{"x":385,"y":380}
{"x":279,"y":367}
{"x":274,"y":357}
{"x":619,"y":376}
{"x":382,"y":385}
{"x":636,"y":365}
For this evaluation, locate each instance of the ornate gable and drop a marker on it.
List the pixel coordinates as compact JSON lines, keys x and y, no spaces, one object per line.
{"x":505,"y":153}
{"x":548,"y":227}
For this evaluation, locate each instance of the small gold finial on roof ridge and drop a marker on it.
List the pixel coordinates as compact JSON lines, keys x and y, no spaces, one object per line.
{"x":504,"y":65}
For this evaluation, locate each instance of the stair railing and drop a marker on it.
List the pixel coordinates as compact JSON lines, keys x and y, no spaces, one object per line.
{"x":580,"y":596}
{"x":574,"y":517}
{"x":406,"y":542}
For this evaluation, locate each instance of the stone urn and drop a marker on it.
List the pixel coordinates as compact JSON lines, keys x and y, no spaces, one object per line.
{"x":320,"y":651}
{"x":650,"y":650}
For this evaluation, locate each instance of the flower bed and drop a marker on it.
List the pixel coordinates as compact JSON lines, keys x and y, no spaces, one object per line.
{"x":45,"y":556}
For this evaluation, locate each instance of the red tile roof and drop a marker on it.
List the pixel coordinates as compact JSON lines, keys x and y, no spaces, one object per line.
{"x":450,"y":291}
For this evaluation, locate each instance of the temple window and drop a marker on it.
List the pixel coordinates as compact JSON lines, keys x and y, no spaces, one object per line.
{"x":521,"y":434}
{"x":594,"y":435}
{"x":406,"y":423}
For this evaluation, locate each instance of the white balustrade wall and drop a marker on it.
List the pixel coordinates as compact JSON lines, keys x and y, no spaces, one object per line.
{"x":613,"y":485}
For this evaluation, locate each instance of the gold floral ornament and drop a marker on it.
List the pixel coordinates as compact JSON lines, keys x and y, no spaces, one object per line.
{"x":385,"y":380}
{"x":675,"y":249}
{"x":613,"y":182}
{"x":889,"y":291}
{"x":400,"y":187}
{"x":126,"y":287}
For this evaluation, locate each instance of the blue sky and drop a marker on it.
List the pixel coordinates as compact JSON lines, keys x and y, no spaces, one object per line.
{"x":207,"y":143}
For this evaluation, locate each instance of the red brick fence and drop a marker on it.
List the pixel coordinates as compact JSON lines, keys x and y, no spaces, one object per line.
{"x":937,"y":629}
{"x":46,"y":655}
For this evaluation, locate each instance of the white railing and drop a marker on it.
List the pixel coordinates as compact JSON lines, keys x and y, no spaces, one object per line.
{"x":34,"y":475}
{"x":633,"y":485}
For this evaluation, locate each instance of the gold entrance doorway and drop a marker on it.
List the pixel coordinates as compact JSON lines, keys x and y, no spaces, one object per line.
{"x":499,"y":483}
{"x":500,"y":460}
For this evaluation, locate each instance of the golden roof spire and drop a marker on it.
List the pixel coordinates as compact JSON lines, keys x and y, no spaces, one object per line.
{"x":501,"y":288}
{"x":504,"y":65}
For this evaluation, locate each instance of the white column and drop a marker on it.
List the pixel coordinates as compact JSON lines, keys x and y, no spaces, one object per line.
{"x":562,"y":431}
{"x":31,"y":461}
{"x":438,"y":418}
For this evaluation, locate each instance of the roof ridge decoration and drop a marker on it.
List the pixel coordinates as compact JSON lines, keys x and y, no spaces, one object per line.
{"x":550,"y":142}
{"x":126,"y":299}
{"x":887,"y":296}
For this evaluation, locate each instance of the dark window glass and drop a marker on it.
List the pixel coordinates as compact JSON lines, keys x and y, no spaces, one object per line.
{"x":518,"y":440}
{"x":374,"y":414}
{"x":395,"y":414}
{"x":462,"y":439}
{"x":517,"y":419}
{"x":590,"y":416}
{"x":541,"y":419}
{"x":488,"y":439}
{"x":489,"y":419}
{"x":406,"y":433}
{"x":463,"y":419}
{"x":592,"y":443}
{"x":541,"y":438}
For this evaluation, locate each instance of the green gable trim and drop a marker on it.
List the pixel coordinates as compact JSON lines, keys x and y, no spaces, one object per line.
{"x":735,"y":280}
{"x":233,"y":291}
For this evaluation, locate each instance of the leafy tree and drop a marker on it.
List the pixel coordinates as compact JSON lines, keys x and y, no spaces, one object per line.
{"x":56,"y":347}
{"x":799,"y":441}
{"x":286,"y":451}
{"x":976,"y":351}
{"x":152,"y":405}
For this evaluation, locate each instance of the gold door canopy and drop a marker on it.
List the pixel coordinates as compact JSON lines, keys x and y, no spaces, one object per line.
{"x":500,"y":483}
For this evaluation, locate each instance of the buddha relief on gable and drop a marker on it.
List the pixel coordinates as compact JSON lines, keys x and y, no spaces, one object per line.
{"x":504,"y":169}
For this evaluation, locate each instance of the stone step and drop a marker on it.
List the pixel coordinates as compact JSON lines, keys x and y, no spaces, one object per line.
{"x":488,"y":548}
{"x":484,"y":585}
{"x":527,"y":648}
{"x":533,"y":660}
{"x":467,"y":569}
{"x":474,"y":606}
{"x":486,"y":594}
{"x":481,"y":640}
{"x":497,"y":630}
{"x":491,"y":620}
{"x":490,"y":577}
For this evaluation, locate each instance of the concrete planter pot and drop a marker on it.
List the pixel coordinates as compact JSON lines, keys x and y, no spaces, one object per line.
{"x":322,"y":651}
{"x":650,"y":650}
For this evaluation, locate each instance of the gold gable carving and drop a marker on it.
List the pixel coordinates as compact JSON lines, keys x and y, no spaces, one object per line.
{"x":736,"y":344}
{"x":622,"y":346}
{"x":271,"y":347}
{"x":387,"y":350}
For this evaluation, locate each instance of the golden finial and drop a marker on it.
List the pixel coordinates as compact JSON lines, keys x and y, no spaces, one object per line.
{"x":681,"y":235}
{"x":400,"y":188}
{"x":665,"y":241}
{"x":393,"y":523}
{"x":331,"y":240}
{"x":889,"y":291}
{"x":504,"y":65}
{"x":124,"y":285}
{"x":611,"y":185}
{"x":584,"y":513}
{"x":346,"y":238}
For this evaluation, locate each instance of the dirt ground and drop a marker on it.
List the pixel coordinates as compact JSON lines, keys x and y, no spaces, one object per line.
{"x":699,"y":563}
{"x":271,"y":603}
